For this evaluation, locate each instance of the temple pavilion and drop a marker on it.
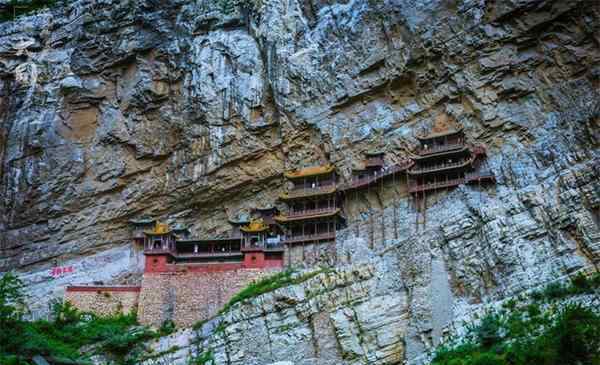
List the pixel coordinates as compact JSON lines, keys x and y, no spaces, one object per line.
{"x":139,"y":226}
{"x":313,"y":213}
{"x":247,"y":245}
{"x":444,"y":160}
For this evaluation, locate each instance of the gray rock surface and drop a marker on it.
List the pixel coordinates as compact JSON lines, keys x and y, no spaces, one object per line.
{"x":190,"y":111}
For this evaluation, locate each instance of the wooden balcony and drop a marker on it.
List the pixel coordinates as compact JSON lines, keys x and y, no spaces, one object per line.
{"x":473,"y":177}
{"x":441,"y":167}
{"x":414,"y":188}
{"x":327,"y":236}
{"x":445,"y":133}
{"x":480,"y":176}
{"x":308,"y":192}
{"x":275,"y":248}
{"x":205,"y":255}
{"x":374,"y":162}
{"x":307,"y":214}
{"x":452,"y":147}
{"x":157,"y":251}
{"x":357,"y":183}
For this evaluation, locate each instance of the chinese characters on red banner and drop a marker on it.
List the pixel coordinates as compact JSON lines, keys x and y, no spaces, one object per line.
{"x":58,"y":271}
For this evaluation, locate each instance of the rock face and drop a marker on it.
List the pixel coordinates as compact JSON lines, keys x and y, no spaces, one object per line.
{"x":191,"y":111}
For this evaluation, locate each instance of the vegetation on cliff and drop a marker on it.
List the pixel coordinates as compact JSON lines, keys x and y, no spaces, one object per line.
{"x":540,"y":330}
{"x":270,"y":283}
{"x":70,"y":336}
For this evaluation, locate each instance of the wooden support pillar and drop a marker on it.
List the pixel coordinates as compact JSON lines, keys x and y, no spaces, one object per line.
{"x":303,"y":243}
{"x":371,"y":243}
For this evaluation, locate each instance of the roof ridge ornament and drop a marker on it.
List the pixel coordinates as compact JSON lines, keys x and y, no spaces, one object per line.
{"x":159,"y":229}
{"x":255,"y":225}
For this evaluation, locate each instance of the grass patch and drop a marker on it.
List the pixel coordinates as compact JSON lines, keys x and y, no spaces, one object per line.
{"x":204,"y":358}
{"x":535,"y":332}
{"x":270,"y":283}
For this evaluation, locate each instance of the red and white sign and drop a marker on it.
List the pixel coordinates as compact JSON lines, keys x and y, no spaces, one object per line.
{"x":59,"y":271}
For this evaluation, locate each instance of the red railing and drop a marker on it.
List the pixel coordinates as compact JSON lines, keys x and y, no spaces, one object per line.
{"x":311,"y":237}
{"x":442,"y":148}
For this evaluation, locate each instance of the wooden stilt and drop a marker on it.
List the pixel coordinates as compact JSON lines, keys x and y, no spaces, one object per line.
{"x":395,"y":207}
{"x":303,"y":243}
{"x":357,"y":220}
{"x":335,"y":259}
{"x":382,"y":215}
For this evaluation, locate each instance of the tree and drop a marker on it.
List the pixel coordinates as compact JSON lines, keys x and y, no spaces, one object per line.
{"x":12,"y":309}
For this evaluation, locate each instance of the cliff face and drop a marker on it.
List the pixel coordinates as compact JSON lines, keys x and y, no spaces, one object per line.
{"x":191,"y":111}
{"x":397,"y":292}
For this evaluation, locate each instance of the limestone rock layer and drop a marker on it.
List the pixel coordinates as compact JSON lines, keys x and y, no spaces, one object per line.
{"x":191,"y":111}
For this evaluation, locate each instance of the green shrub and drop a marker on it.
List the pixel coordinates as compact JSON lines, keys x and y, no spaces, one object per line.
{"x":166,"y":328}
{"x":529,"y":334}
{"x":204,"y":358}
{"x":579,"y":284}
{"x":555,"y":291}
{"x":576,"y":335}
{"x":67,"y":332}
{"x":486,"y":358}
{"x":537,"y":295}
{"x":488,"y":331}
{"x":595,"y":281}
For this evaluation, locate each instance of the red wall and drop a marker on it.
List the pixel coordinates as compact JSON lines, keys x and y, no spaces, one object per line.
{"x":273,"y":263}
{"x":252,"y":260}
{"x":156,"y":263}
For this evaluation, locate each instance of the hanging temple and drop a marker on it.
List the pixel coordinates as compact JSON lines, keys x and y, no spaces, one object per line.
{"x":268,"y":239}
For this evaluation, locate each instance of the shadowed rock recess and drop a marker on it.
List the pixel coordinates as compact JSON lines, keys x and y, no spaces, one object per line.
{"x":191,"y":111}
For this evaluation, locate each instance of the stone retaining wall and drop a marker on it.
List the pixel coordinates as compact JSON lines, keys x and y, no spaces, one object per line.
{"x":188,"y":297}
{"x":103,"y":300}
